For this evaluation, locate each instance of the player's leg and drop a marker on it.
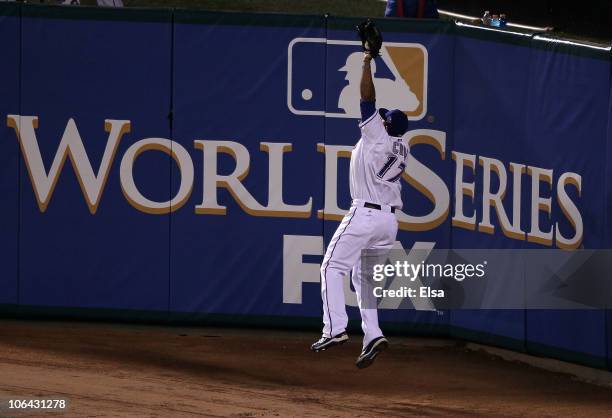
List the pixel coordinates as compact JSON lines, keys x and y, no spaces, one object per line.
{"x":367,"y":303}
{"x":342,"y":253}
{"x":373,"y":342}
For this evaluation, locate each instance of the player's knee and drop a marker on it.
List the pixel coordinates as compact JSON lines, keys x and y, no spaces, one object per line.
{"x":333,"y":269}
{"x":328,"y":268}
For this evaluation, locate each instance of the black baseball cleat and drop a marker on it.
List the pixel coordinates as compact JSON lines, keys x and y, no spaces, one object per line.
{"x":368,"y":355}
{"x":326,"y":342}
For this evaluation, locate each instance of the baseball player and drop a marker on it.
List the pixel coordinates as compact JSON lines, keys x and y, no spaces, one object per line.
{"x":377,"y":163}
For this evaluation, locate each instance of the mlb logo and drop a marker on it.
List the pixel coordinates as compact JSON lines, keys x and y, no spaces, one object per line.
{"x":323,"y":78}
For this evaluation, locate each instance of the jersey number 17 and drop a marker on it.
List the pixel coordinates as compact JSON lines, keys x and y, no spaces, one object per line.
{"x":394,"y":167}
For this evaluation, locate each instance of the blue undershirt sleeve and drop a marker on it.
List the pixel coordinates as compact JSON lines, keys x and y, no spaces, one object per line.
{"x":367,"y":109}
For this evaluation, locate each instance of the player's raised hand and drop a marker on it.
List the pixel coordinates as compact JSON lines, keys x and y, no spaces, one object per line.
{"x":371,"y":37}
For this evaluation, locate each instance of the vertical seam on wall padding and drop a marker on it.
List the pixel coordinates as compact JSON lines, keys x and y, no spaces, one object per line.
{"x":449,"y":148}
{"x":607,"y":311}
{"x":170,"y":162}
{"x":19,"y":161}
{"x":525,"y":139}
{"x":326,"y":18}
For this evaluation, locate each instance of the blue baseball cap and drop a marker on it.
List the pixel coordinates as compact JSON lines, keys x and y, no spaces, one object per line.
{"x":397,"y":122}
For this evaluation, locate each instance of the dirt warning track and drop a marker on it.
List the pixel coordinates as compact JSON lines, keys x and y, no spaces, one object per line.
{"x":136,"y":370}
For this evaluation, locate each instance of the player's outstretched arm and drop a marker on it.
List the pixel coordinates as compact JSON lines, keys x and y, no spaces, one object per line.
{"x":368,"y":94}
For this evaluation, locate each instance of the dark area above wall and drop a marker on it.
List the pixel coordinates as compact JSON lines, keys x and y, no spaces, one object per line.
{"x":588,"y":18}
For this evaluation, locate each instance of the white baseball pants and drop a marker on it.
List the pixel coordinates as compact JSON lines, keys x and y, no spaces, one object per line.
{"x":362,"y":228}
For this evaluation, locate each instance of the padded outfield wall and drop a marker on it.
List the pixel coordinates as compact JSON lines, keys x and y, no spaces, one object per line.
{"x":173,"y":165}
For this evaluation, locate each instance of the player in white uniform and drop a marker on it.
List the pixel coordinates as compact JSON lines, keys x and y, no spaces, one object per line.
{"x":377,"y":163}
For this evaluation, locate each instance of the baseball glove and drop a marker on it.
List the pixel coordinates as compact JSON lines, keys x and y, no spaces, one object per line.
{"x":371,"y":38}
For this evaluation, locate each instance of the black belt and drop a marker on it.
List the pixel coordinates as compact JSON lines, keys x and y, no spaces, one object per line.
{"x":375,"y":206}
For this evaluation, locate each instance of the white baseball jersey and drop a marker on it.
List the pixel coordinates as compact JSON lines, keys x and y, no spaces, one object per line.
{"x":377,"y":164}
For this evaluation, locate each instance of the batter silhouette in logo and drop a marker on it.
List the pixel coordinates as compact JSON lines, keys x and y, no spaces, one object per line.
{"x":394,"y":93}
